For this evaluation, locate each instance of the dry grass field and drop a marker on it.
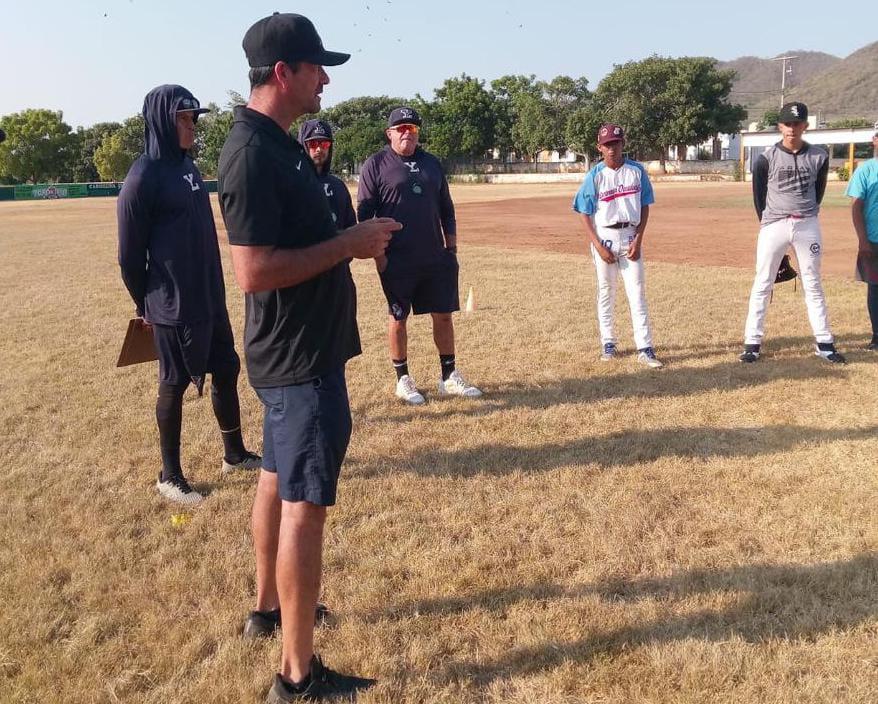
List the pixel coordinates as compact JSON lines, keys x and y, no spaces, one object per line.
{"x":588,"y":532}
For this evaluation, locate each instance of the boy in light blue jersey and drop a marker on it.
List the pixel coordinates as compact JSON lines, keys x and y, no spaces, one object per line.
{"x":863,"y":188}
{"x":614,"y":204}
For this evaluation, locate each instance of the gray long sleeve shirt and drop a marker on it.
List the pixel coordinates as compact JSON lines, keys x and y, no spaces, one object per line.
{"x":789,"y":183}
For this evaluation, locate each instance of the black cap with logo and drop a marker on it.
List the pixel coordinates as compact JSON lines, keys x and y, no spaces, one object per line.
{"x":403,"y":116}
{"x":793,"y":112}
{"x":289,"y":38}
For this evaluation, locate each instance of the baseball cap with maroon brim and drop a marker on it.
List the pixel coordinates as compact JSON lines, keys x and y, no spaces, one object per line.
{"x":289,"y":38}
{"x":610,"y":133}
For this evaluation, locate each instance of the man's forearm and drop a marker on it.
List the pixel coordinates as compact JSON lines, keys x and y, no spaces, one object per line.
{"x":859,"y":221}
{"x":269,"y":268}
{"x":644,"y":219}
{"x":590,"y":229}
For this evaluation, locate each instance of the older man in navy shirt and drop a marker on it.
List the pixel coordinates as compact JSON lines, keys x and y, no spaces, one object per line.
{"x":419,"y":270}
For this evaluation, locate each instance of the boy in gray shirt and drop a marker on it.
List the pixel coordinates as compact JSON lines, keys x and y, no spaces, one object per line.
{"x":789,"y":180}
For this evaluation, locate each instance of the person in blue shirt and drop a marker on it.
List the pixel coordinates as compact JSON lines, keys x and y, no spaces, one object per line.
{"x":613,"y":203}
{"x":170,"y":262}
{"x":863,"y":188}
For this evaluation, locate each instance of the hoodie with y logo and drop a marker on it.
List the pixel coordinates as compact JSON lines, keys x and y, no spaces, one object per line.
{"x":168,"y":249}
{"x":337,"y":194}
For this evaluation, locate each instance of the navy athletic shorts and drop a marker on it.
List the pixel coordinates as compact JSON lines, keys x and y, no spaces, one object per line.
{"x":306,"y":432}
{"x":432,"y":290}
{"x":188,"y":352}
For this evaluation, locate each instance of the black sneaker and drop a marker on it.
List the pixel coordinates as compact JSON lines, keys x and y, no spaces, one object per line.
{"x":263,"y":624}
{"x":320,"y":685}
{"x":827,"y":351}
{"x":750,"y":354}
{"x":872,"y":346}
{"x":249,"y":460}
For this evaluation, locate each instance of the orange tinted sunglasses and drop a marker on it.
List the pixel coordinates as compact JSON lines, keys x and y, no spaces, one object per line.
{"x":323,"y":144}
{"x":405,"y":127}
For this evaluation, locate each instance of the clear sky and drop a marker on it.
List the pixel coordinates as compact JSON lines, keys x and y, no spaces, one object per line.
{"x":96,"y":59}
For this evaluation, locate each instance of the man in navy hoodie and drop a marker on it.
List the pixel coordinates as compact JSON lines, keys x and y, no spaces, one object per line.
{"x":170,"y":262}
{"x":316,"y":137}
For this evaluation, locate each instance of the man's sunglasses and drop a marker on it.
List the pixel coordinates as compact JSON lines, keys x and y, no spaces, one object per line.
{"x":323,"y":144}
{"x":402,"y":129}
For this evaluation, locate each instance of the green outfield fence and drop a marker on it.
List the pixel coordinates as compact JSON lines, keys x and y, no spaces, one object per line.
{"x":54,"y":191}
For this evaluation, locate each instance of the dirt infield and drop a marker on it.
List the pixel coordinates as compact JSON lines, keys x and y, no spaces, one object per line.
{"x":700,"y":224}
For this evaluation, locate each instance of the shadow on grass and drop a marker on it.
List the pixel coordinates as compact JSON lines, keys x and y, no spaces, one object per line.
{"x":627,"y":381}
{"x":786,"y":602}
{"x":621,"y":449}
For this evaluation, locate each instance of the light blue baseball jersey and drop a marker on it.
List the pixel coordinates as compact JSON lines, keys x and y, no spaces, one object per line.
{"x":864,"y":185}
{"x":614,"y":195}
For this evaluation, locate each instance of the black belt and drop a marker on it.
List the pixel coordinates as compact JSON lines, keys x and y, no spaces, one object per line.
{"x":620,"y":225}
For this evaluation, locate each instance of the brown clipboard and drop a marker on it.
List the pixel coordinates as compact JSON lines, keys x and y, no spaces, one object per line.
{"x":138,"y":346}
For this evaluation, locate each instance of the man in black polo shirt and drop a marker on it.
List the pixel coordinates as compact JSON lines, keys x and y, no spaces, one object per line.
{"x":301,"y":329}
{"x":420,"y":269}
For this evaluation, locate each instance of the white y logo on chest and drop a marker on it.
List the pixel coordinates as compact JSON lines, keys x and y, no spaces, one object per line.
{"x":190,"y":179}
{"x":327,"y":190}
{"x":413,"y":166}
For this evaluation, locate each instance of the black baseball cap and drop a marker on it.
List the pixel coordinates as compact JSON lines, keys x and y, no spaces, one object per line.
{"x":289,"y":38}
{"x":403,"y":116}
{"x":793,"y":112}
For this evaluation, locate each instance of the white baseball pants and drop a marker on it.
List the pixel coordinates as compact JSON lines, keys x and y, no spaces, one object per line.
{"x":608,"y":282}
{"x":774,"y":239}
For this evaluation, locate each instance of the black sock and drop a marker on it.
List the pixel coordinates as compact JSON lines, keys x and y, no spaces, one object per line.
{"x":227,"y":409}
{"x":446,"y":361}
{"x":401,"y":367}
{"x":826,"y":346}
{"x":169,"y":417}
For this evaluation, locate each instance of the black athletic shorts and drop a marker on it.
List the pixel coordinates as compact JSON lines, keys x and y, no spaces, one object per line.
{"x":432,"y":290}
{"x":187,"y":352}
{"x":306,"y":432}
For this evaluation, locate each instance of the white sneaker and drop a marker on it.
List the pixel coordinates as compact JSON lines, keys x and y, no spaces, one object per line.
{"x":456,"y":385}
{"x":178,"y":489}
{"x":408,"y":392}
{"x":647,"y":356}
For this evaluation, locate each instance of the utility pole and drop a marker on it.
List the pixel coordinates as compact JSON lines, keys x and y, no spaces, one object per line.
{"x":783,"y":73}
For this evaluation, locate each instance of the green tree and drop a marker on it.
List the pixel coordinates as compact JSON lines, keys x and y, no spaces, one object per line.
{"x":461,"y":119}
{"x":211,"y":132}
{"x":358,"y":128}
{"x":849,"y":123}
{"x":509,"y":93}
{"x":663,"y":102}
{"x":581,"y":130}
{"x":82,"y":168}
{"x":117,"y":151}
{"x":38,"y":146}
{"x":769,"y":120}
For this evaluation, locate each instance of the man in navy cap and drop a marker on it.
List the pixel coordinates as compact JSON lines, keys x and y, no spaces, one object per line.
{"x":419,"y":271}
{"x":316,"y":137}
{"x":170,"y":263}
{"x":301,"y":329}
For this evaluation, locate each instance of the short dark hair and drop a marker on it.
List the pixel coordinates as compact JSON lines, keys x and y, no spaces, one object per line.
{"x":260,"y":75}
